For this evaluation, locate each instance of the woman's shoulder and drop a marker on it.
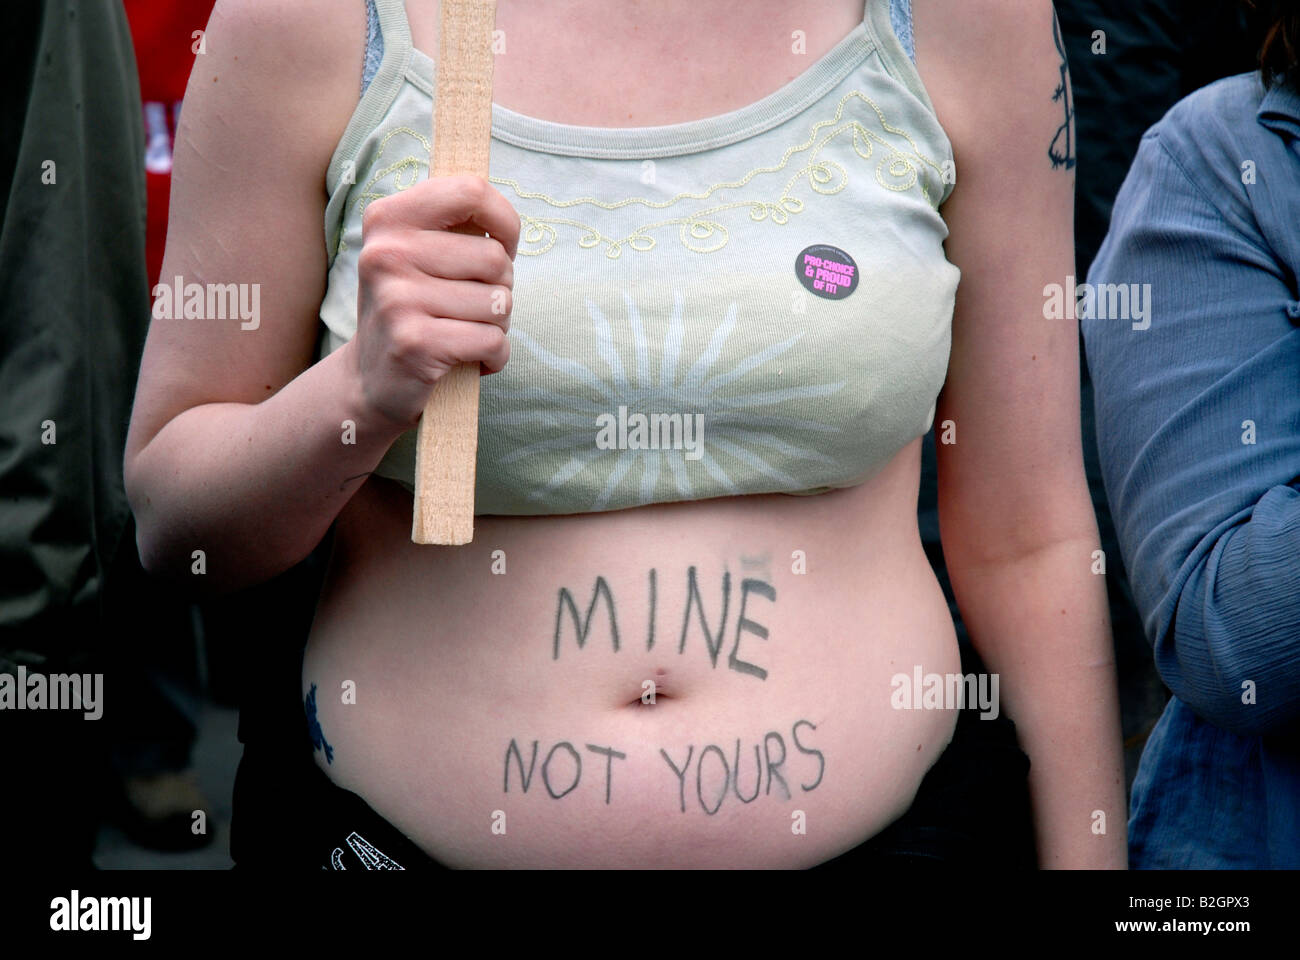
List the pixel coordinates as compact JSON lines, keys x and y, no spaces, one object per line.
{"x":276,"y":82}
{"x":296,"y":43}
{"x":997,"y":74}
{"x":294,"y":24}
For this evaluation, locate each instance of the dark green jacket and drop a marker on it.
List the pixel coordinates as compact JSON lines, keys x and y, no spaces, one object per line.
{"x":74,"y":309}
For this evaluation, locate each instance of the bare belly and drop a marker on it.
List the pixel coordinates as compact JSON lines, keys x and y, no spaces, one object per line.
{"x":700,"y":684}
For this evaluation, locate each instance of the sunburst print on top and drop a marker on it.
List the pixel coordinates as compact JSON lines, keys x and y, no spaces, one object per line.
{"x":738,"y":425}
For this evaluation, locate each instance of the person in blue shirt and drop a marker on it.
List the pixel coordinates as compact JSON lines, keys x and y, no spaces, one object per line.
{"x":1191,"y":322}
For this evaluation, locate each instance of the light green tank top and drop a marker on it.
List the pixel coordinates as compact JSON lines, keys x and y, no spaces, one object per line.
{"x":756,"y":302}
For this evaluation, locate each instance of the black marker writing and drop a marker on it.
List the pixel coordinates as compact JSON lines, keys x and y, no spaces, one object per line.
{"x":773,"y":767}
{"x":715,"y":776}
{"x":742,"y":623}
{"x":681,"y":774}
{"x":693,"y":599}
{"x":526,"y":778}
{"x":821,"y":759}
{"x":650,"y":632}
{"x":758,"y":775}
{"x":610,"y":753}
{"x":566,"y":599}
{"x":699,"y":779}
{"x":695,"y":617}
{"x":546,"y":769}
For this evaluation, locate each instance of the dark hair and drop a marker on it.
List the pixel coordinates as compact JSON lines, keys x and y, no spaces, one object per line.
{"x":1278,"y":23}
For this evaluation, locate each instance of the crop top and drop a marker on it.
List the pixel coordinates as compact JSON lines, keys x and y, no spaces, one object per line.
{"x":755,"y":302}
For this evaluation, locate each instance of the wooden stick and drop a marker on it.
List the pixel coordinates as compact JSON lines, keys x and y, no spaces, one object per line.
{"x":447,"y":444}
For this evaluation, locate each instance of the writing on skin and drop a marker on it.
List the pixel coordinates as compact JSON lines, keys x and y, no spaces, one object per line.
{"x":695,"y":620}
{"x":718,"y":773}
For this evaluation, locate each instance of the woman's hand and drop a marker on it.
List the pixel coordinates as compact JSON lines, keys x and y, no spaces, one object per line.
{"x":430,"y":298}
{"x":244,"y":443}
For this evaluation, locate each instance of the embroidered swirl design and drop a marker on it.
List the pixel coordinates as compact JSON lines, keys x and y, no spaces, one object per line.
{"x":899,"y":169}
{"x":409,"y":164}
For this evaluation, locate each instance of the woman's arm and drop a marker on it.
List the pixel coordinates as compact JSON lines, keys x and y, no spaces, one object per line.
{"x":233,"y":449}
{"x":237,"y":442}
{"x":1197,"y":413}
{"x":1017,"y":524}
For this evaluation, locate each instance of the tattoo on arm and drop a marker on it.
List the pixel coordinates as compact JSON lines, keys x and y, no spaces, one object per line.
{"x":1061,"y":151}
{"x":318,"y":740}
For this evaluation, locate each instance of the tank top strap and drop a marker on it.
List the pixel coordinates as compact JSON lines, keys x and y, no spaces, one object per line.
{"x":900,"y":19}
{"x":387,"y":27}
{"x":888,"y":24}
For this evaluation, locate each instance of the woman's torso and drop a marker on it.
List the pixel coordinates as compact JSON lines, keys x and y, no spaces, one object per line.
{"x":498,"y":714}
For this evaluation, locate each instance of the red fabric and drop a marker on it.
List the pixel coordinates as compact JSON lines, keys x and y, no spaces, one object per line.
{"x":159,"y":187}
{"x":163,"y":34}
{"x":162,"y":31}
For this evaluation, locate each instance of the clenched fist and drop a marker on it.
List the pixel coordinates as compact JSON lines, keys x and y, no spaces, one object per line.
{"x":430,"y":299}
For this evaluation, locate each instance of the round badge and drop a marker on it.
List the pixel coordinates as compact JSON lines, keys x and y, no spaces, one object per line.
{"x":826,"y":271}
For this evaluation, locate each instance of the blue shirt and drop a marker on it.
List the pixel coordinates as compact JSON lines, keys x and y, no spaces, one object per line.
{"x":1197,"y":393}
